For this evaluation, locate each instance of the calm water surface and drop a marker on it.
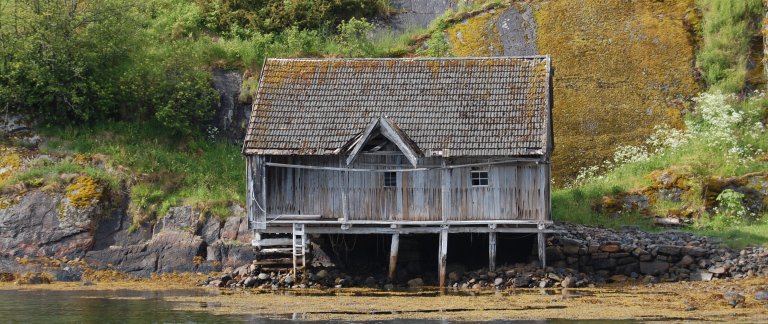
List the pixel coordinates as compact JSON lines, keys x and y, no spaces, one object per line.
{"x":127,"y":306}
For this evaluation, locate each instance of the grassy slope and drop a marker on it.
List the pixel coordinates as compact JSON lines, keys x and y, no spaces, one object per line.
{"x":699,"y":159}
{"x":160,"y":170}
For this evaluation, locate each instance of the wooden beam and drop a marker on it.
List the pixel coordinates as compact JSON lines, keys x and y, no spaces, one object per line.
{"x":389,"y":132}
{"x":393,"y":251}
{"x":442,"y":256}
{"x":542,"y":238}
{"x":492,"y":251}
{"x":282,"y":229}
{"x":360,"y":141}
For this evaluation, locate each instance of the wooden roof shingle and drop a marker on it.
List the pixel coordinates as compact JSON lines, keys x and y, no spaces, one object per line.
{"x":498,"y":106}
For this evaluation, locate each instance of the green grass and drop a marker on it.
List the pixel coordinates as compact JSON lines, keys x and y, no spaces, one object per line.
{"x":161,"y":170}
{"x":739,"y":236}
{"x":697,"y":161}
{"x":727,"y":28}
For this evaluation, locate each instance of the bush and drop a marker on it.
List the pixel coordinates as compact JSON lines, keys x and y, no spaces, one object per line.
{"x":235,"y":18}
{"x":353,"y":35}
{"x":728,"y":26}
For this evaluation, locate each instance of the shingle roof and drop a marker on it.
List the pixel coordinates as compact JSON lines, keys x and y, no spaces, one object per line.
{"x":448,"y":106}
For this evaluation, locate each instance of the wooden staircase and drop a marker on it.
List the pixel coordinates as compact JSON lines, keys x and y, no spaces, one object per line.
{"x":286,"y":251}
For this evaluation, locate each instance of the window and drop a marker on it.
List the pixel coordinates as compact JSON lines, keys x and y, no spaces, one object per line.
{"x":390,"y":179}
{"x":479,"y":178}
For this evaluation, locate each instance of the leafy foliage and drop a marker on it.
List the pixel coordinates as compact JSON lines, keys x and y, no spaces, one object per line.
{"x":727,"y":27}
{"x":724,"y":136}
{"x":68,"y":62}
{"x":238,"y":17}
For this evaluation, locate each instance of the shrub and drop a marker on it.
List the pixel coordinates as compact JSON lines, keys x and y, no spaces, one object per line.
{"x":727,"y":29}
{"x":353,"y":34}
{"x":437,"y":45}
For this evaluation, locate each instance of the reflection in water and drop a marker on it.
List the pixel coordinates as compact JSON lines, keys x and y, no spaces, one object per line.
{"x":130,"y":306}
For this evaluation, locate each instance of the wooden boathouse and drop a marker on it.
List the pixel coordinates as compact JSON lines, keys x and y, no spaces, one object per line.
{"x":401,"y":147}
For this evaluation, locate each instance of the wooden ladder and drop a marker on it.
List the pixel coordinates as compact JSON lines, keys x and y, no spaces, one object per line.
{"x":299,"y":247}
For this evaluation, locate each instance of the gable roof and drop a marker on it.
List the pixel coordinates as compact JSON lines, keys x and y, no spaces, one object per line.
{"x":389,"y":130}
{"x":498,"y":106}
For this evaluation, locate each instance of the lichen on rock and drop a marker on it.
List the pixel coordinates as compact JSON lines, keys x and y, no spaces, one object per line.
{"x":10,"y":162}
{"x":622,"y":67}
{"x":84,"y":191}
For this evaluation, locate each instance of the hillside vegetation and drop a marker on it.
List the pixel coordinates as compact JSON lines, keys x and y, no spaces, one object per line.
{"x":645,"y":92}
{"x":710,"y":174}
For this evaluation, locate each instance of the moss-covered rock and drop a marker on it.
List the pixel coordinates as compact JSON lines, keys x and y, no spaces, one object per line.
{"x":754,"y":186}
{"x":503,"y":30}
{"x":10,"y":163}
{"x":622,"y":67}
{"x":84,"y":191}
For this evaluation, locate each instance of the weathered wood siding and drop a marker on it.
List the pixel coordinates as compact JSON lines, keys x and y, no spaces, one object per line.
{"x":515,"y":191}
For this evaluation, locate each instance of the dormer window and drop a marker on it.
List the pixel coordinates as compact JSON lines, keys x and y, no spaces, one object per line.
{"x":390,"y":179}
{"x":480,"y":178}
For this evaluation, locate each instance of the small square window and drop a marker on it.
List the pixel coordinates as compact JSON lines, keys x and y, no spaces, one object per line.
{"x":390,"y":179}
{"x":479,"y":178}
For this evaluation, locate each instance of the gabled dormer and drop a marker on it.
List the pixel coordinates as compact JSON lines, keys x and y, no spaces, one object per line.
{"x":380,"y":135}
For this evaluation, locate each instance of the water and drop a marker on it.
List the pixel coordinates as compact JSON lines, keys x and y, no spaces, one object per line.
{"x":130,"y":306}
{"x":120,"y":306}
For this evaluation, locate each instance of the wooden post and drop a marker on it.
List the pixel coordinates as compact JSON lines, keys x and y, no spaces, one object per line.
{"x":393,"y":255}
{"x":492,"y":251}
{"x":256,"y":201}
{"x":442,"y":260}
{"x":542,"y":249}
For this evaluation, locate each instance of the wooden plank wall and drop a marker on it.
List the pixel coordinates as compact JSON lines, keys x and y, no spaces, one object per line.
{"x":515,"y":191}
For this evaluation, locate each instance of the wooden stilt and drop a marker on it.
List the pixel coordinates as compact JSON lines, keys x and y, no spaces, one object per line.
{"x":492,"y":251}
{"x":393,"y":255}
{"x":542,"y":250}
{"x":443,"y":255}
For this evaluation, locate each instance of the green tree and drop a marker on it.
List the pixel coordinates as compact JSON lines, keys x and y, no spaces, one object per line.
{"x":58,"y":55}
{"x":353,"y":35}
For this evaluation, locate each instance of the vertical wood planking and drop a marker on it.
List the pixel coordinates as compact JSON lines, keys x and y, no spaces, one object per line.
{"x":515,"y":191}
{"x":445,"y":193}
{"x":256,"y":191}
{"x":249,"y":207}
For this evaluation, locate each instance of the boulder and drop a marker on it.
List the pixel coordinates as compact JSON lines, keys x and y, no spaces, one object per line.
{"x":686,"y":261}
{"x":250,"y":282}
{"x":734,"y":299}
{"x":183,"y":219}
{"x":521,"y":282}
{"x":762,"y":295}
{"x":610,"y":247}
{"x":210,"y":230}
{"x":168,"y":251}
{"x":700,"y":276}
{"x":670,"y":250}
{"x":570,"y":246}
{"x":40,"y":225}
{"x":415,"y":283}
{"x":654,"y":268}
{"x":568,"y":282}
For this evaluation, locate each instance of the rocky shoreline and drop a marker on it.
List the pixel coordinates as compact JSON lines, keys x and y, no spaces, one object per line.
{"x":578,"y":256}
{"x":186,"y":240}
